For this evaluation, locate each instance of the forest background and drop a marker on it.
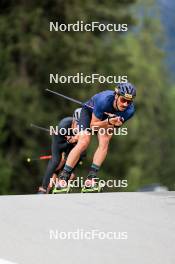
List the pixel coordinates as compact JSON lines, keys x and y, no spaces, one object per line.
{"x":29,"y":52}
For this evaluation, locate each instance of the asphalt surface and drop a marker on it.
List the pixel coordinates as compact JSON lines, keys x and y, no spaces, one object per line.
{"x":127,"y":228}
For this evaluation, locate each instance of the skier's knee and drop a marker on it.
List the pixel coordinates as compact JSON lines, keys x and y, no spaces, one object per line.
{"x":83,"y":143}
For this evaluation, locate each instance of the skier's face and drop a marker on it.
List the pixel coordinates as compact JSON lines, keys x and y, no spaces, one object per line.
{"x":121,"y":103}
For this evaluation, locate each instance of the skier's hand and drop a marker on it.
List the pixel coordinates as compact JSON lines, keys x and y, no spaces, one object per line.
{"x":116,"y":121}
{"x":72,"y":139}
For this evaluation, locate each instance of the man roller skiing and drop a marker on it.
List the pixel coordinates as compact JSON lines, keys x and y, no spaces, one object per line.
{"x":61,"y":144}
{"x":107,"y":109}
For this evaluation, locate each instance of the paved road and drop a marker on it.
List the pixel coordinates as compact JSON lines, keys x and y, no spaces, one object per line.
{"x":34,"y":229}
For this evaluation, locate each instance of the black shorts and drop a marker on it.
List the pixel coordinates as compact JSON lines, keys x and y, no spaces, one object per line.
{"x":85,"y":119}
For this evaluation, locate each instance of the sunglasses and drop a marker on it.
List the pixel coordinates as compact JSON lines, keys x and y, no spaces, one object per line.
{"x":123,"y":101}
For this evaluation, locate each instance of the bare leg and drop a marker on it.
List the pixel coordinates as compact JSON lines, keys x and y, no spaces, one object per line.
{"x":81,"y":146}
{"x":102,"y":149}
{"x":98,"y":159}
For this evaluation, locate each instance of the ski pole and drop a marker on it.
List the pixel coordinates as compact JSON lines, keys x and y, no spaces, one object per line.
{"x":68,"y":98}
{"x":39,"y":127}
{"x":78,"y":102}
{"x":40,"y":158}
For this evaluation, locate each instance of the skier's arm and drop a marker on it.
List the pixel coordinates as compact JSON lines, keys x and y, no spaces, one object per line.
{"x":107,"y":123}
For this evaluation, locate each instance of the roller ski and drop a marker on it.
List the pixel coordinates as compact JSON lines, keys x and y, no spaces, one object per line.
{"x":62,"y":185}
{"x":60,"y":188}
{"x":91,"y":185}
